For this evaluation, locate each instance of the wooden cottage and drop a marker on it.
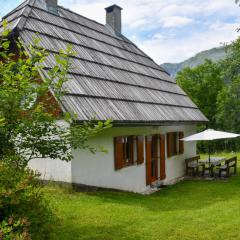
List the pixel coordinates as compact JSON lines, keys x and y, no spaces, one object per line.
{"x":112,"y":78}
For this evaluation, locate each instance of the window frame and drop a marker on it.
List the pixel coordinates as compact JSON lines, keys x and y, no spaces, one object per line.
{"x":175,"y":146}
{"x":127,"y":152}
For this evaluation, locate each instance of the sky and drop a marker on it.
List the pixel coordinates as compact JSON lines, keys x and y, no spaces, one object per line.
{"x":167,"y":30}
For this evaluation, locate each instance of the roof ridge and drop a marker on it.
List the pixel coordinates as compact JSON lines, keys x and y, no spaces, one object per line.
{"x":16,"y":9}
{"x":26,"y":8}
{"x":78,"y":14}
{"x":24,"y":18}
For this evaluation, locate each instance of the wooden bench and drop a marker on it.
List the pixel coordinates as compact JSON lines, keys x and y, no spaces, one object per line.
{"x":229,"y":163}
{"x":193,"y":165}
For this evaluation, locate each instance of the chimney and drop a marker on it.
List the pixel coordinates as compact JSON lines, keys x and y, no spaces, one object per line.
{"x":114,"y":18}
{"x":52,"y":6}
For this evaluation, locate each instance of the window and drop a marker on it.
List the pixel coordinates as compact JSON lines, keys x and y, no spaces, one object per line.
{"x":174,"y":145}
{"x":128,"y":151}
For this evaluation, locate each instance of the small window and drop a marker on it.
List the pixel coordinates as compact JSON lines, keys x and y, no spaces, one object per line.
{"x":128,"y":151}
{"x":174,"y":145}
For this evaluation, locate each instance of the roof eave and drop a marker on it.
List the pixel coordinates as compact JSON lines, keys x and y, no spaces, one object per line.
{"x":152,"y":123}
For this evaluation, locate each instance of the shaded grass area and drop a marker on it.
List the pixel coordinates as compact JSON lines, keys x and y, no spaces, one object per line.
{"x":188,"y":210}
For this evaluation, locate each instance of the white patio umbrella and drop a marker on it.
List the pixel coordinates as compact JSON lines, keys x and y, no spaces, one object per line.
{"x":209,"y":135}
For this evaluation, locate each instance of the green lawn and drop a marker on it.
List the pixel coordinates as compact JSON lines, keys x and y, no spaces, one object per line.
{"x":188,"y":210}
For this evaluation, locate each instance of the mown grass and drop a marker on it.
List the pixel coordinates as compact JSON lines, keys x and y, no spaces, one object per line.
{"x":191,"y":210}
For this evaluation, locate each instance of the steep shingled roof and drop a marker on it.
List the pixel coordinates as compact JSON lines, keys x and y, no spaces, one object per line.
{"x":112,"y":77}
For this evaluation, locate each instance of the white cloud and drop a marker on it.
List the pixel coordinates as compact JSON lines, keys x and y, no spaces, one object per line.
{"x":176,"y":21}
{"x":158,"y":36}
{"x":150,"y":12}
{"x":157,"y":17}
{"x":206,"y":23}
{"x":176,"y":50}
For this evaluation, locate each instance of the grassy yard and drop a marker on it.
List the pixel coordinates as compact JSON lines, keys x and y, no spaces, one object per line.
{"x":188,"y":210}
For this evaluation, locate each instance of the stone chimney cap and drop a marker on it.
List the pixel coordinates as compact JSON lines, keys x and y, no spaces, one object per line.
{"x":110,"y":9}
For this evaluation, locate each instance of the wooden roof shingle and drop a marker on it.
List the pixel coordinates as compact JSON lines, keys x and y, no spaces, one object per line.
{"x":111,"y":76}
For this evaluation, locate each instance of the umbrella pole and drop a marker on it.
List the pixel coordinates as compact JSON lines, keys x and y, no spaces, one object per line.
{"x":209,"y":153}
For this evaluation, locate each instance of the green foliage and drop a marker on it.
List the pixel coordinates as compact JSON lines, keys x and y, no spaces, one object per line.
{"x":228,"y":116}
{"x":203,"y":84}
{"x":12,"y":229}
{"x":24,"y":211}
{"x":29,"y":114}
{"x":215,"y":88}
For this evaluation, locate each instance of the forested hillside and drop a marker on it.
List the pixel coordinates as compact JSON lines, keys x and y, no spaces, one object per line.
{"x":213,"y":54}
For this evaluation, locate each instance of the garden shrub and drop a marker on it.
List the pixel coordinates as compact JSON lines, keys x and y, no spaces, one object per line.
{"x":24,"y":211}
{"x":12,"y":229}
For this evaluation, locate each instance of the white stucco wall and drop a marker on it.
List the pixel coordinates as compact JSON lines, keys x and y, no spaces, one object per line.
{"x":53,"y":169}
{"x":98,"y":170}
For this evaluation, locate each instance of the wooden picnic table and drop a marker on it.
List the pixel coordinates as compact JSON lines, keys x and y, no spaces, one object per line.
{"x":214,"y":161}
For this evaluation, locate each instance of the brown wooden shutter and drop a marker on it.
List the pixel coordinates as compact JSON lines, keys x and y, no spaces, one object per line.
{"x":131,"y":142}
{"x":155,"y":154}
{"x":148,"y":159}
{"x":169,"y":144}
{"x":181,"y":143}
{"x":119,"y":152}
{"x":175,"y":143}
{"x":140,"y":150}
{"x":162,"y":158}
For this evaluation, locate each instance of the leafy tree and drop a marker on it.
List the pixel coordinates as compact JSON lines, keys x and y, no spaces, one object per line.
{"x":230,"y":66}
{"x":29,"y":114}
{"x":228,"y":114}
{"x":202,"y":84}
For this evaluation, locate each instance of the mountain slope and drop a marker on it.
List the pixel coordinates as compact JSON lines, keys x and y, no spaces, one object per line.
{"x":214,"y":54}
